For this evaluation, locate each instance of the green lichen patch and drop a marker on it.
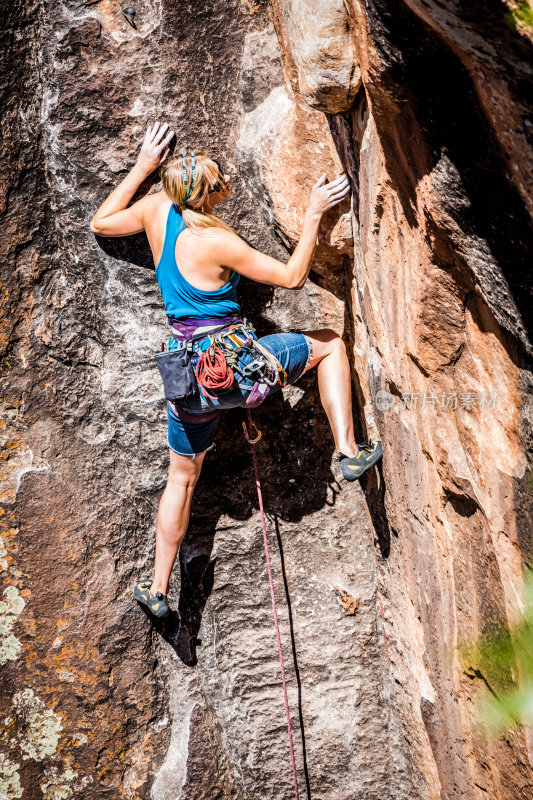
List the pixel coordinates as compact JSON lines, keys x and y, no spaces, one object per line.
{"x":10,"y":787}
{"x":38,"y":727}
{"x":10,"y":608}
{"x":58,"y":785}
{"x":3,"y":555}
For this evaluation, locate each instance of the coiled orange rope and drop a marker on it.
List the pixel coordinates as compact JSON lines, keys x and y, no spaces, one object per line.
{"x":213,"y":371}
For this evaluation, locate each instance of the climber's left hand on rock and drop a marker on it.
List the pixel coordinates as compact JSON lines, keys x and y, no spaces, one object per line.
{"x":154,"y":149}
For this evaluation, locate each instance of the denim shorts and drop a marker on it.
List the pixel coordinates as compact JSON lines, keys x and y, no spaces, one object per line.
{"x":191,"y":433}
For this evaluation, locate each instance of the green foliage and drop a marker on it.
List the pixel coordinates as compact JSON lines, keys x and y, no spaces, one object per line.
{"x":503,"y":660}
{"x":521,"y":16}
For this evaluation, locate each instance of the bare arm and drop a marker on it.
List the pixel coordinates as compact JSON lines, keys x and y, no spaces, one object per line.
{"x":113,"y":218}
{"x":244,"y":259}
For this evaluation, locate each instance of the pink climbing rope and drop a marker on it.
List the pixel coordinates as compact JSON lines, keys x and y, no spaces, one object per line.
{"x":248,"y":434}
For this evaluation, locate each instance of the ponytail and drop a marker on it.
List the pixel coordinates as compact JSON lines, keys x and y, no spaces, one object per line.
{"x":185,"y":179}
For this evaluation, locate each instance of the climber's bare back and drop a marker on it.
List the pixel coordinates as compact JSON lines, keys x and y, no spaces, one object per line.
{"x":207,"y":257}
{"x":196,"y":253}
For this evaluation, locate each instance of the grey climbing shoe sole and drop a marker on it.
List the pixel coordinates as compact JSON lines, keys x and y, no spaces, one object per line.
{"x":156,"y":604}
{"x":367,"y":455}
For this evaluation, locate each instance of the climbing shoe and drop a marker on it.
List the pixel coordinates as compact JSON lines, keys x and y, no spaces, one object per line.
{"x":367,"y":455}
{"x":157,"y":604}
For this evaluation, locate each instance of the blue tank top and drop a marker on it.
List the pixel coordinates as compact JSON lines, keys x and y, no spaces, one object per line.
{"x":180,"y":297}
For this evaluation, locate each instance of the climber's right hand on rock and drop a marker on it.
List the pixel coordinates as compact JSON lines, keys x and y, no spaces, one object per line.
{"x":326,"y":195}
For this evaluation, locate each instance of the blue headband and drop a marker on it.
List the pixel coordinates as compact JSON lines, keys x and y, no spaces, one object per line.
{"x":185,"y":175}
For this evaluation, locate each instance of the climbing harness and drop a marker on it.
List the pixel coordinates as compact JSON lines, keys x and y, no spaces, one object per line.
{"x":252,"y":435}
{"x":176,"y":368}
{"x":217,"y":364}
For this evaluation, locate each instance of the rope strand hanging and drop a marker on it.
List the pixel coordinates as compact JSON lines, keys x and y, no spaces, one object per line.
{"x":253,"y":436}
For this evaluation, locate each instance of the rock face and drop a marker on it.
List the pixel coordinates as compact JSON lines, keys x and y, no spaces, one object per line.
{"x":427,"y":275}
{"x":318,"y":46}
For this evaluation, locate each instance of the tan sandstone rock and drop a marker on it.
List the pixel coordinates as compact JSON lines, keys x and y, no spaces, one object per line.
{"x":287,"y":146}
{"x":318,"y":38}
{"x":441,"y":333}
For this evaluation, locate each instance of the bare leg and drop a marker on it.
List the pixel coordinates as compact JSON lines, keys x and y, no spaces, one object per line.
{"x":173,"y":515}
{"x":329,"y":356}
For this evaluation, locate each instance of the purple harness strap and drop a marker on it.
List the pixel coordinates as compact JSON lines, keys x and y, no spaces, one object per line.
{"x":185,"y":329}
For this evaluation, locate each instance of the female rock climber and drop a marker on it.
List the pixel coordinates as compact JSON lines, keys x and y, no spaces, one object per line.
{"x":199,"y":263}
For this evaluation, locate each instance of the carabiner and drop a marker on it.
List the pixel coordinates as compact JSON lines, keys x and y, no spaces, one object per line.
{"x":267,"y":379}
{"x":248,"y":435}
{"x":253,"y":366}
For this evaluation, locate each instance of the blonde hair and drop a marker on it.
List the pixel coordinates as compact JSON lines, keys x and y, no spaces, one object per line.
{"x":176,"y":188}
